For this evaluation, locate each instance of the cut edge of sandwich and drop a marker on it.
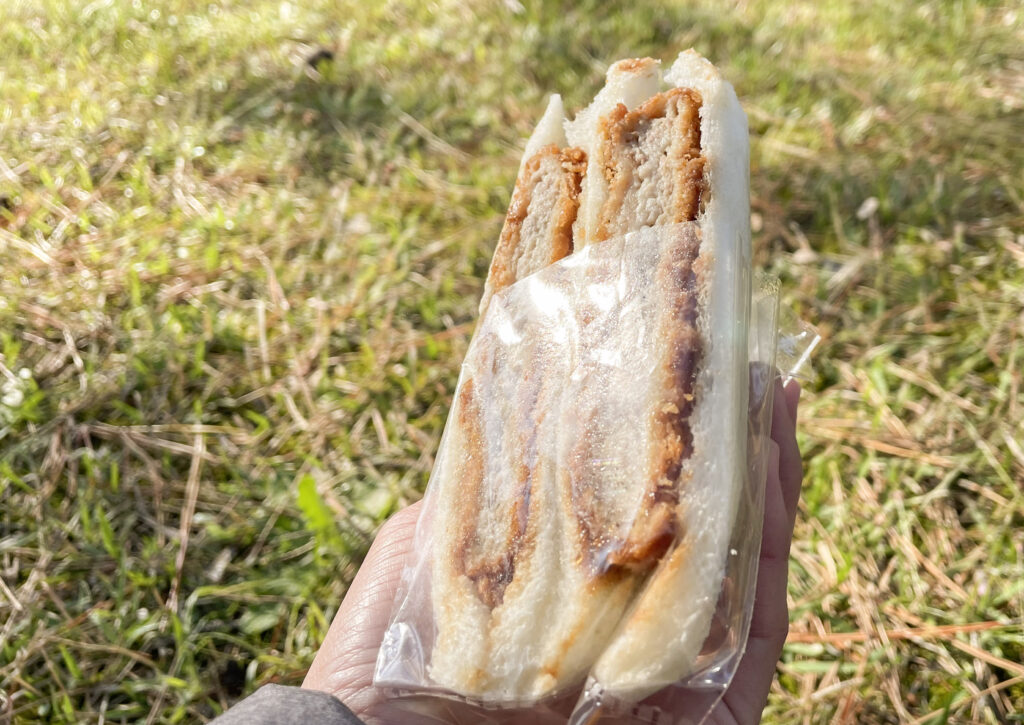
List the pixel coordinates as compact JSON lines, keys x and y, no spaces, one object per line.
{"x":538,"y":229}
{"x":672,"y":615}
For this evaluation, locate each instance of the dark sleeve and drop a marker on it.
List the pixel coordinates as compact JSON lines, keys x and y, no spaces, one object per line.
{"x":279,"y":705}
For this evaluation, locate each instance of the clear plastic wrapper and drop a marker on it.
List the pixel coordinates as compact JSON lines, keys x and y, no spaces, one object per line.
{"x":588,"y":545}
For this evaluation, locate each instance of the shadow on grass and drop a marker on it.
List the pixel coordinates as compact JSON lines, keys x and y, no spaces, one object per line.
{"x":353,"y":114}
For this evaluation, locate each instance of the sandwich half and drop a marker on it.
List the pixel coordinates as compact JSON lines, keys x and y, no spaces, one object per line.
{"x":584,"y":507}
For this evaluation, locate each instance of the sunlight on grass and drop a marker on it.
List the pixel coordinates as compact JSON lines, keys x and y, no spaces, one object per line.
{"x":242,"y":244}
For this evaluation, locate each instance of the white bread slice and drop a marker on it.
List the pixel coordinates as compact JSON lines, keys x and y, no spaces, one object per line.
{"x":673,"y":614}
{"x":492,"y":475}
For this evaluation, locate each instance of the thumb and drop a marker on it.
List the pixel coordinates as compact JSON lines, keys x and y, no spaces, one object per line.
{"x":344,"y":664}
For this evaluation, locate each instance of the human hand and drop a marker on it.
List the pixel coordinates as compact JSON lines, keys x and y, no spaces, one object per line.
{"x":744,"y":701}
{"x":345,"y":663}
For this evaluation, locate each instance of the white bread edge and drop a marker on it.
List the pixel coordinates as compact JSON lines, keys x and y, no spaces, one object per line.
{"x":661,"y":638}
{"x":549,"y":130}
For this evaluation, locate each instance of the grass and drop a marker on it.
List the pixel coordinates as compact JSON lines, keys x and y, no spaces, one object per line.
{"x":235,"y":290}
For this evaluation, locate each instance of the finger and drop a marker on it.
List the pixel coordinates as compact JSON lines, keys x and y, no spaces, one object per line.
{"x":378,"y":576}
{"x":769,"y":623}
{"x":792,"y":392}
{"x":776,"y":534}
{"x":379,"y":573}
{"x":404,"y":517}
{"x":790,"y":465}
{"x":346,"y":658}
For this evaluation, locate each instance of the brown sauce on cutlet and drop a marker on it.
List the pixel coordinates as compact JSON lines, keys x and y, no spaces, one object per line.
{"x":680,"y":172}
{"x":658,"y":143}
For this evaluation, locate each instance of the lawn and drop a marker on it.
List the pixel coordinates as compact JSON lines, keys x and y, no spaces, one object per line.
{"x":241,"y":247}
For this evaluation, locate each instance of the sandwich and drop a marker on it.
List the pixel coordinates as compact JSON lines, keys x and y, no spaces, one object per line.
{"x":585,"y":492}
